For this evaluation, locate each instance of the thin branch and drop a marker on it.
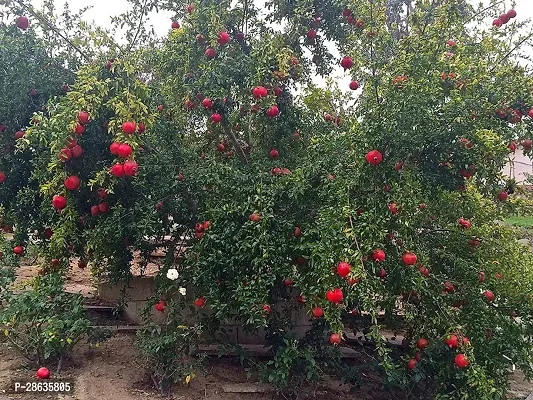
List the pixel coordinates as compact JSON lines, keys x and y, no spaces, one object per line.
{"x":143,"y":12}
{"x":497,"y":63}
{"x":52,"y":28}
{"x":240,"y":151}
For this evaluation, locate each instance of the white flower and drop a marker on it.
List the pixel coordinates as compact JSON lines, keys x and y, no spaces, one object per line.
{"x":183,"y":291}
{"x":172,"y":274}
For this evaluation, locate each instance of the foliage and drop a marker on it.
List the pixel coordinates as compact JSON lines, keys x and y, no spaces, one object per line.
{"x":257,"y":197}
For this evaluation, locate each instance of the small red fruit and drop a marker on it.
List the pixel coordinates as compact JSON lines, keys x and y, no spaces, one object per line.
{"x":72,"y":182}
{"x":511,"y":13}
{"x":2,"y":177}
{"x":409,"y":258}
{"x":335,"y":339}
{"x":502,"y":196}
{"x":266,"y":308}
{"x":318,"y":312}
{"x":113,"y":148}
{"x":216,"y":118}
{"x":175,"y":25}
{"x":374,"y":157}
{"x":311,"y":34}
{"x":489,"y":295}
{"x":497,"y":23}
{"x":43,"y":373}
{"x":259,"y":91}
{"x":418,"y":356}
{"x":124,"y":150}
{"x":422,"y":343}
{"x":411,"y":364}
{"x":190,"y":8}
{"x":481,"y":276}
{"x":130,"y":168}
{"x":103,"y":207}
{"x":210,"y":53}
{"x":161,"y":306}
{"x":272,"y":111}
{"x":22,"y":23}
{"x":297,"y":231}
{"x":448,"y":287}
{"x":343,"y":269}
{"x":18,"y":250}
{"x":392,"y":208}
{"x":77,"y":151}
{"x":504,"y":18}
{"x":129,"y":127}
{"x":221,"y":148}
{"x":95,"y":210}
{"x":117,"y":170}
{"x":79,"y":129}
{"x":273,"y":154}
{"x":65,"y":154}
{"x":288,"y":282}
{"x":19,"y":134}
{"x":378,"y":255}
{"x":461,"y":361}
{"x":199,"y":302}
{"x":254,"y":217}
{"x":59,"y":202}
{"x":223,"y":38}
{"x":382,"y":273}
{"x":83,"y":117}
{"x":452,"y":341}
{"x":207,"y":103}
{"x":347,"y":63}
{"x":354,"y":85}
{"x":335,"y":296}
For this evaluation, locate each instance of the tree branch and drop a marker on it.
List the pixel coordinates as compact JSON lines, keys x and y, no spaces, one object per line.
{"x":238,"y":148}
{"x":497,"y":63}
{"x":43,"y":20}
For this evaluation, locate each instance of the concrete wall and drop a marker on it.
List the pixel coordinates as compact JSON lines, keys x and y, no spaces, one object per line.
{"x":518,"y":167}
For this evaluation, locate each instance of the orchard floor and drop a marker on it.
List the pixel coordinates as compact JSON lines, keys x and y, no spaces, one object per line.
{"x":111,"y":372}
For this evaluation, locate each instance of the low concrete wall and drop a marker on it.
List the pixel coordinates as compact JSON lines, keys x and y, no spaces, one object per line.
{"x":141,"y":289}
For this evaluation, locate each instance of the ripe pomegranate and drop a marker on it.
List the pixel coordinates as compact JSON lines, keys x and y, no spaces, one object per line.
{"x":65,"y":154}
{"x":2,"y":177}
{"x":411,"y":364}
{"x":124,"y":150}
{"x":448,"y":287}
{"x":424,"y":271}
{"x":502,"y":195}
{"x":311,"y":34}
{"x":22,"y":23}
{"x":130,"y":168}
{"x":210,"y":53}
{"x":254,"y":217}
{"x":273,"y":154}
{"x":276,"y":171}
{"x":393,"y":209}
{"x":95,"y":210}
{"x":103,"y":207}
{"x":504,"y":18}
{"x":378,"y":255}
{"x":129,"y":127}
{"x":117,"y":170}
{"x":223,"y":38}
{"x":418,"y":356}
{"x":18,"y":250}
{"x":207,"y":103}
{"x":59,"y":202}
{"x":335,"y":339}
{"x":239,"y":36}
{"x":409,"y":258}
{"x":297,"y":231}
{"x":497,"y":23}
{"x":76,"y":151}
{"x":335,"y":296}
{"x":382,"y":273}
{"x":343,"y":269}
{"x":199,"y":302}
{"x":318,"y":312}
{"x":43,"y":373}
{"x":221,"y":148}
{"x":79,"y":129}
{"x":278,"y":91}
{"x":272,"y":111}
{"x":259,"y":91}
{"x":374,"y":157}
{"x":288,"y":282}
{"x":300,"y":299}
{"x":347,"y":63}
{"x":266,"y":308}
{"x":216,"y":118}
{"x":461,"y":361}
{"x":72,"y":182}
{"x":452,"y":341}
{"x":489,"y":296}
{"x":511,"y":13}
{"x":481,"y":276}
{"x":19,"y":134}
{"x":466,"y":224}
{"x":175,"y":25}
{"x":451,"y":43}
{"x":180,"y":177}
{"x":354,"y":85}
{"x":527,"y":144}
{"x":160,"y":306}
{"x":422,"y":343}
{"x":83,"y":117}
